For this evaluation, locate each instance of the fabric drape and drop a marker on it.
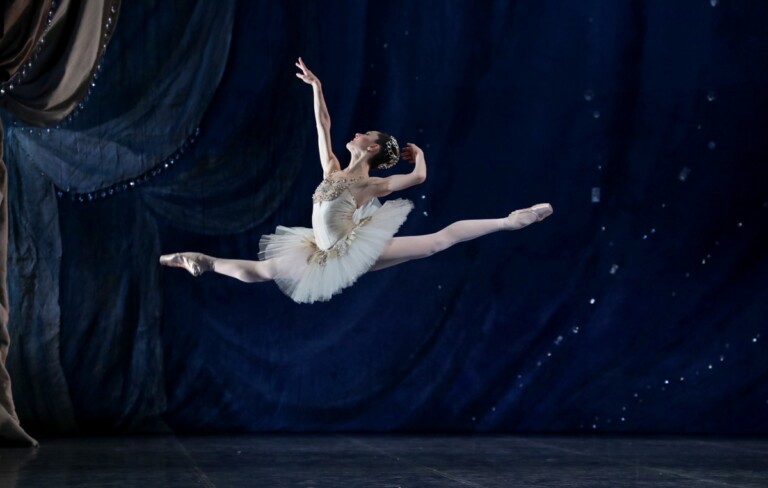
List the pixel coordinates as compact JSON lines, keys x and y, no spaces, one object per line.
{"x":118,"y":301}
{"x":48,"y":54}
{"x":56,"y":72}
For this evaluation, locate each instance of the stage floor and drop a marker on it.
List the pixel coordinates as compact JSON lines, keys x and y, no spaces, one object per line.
{"x":387,"y":461}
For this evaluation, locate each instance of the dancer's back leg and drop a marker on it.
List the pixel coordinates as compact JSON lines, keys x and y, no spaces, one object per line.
{"x":243,"y":270}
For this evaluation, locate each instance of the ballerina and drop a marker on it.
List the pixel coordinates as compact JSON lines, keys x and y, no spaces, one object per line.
{"x":352,"y":233}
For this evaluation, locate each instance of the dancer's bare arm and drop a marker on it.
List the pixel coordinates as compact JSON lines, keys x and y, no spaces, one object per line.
{"x":381,"y":187}
{"x":327,"y":159}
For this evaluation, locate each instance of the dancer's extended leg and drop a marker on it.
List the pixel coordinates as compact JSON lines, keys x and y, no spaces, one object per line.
{"x":243,"y":270}
{"x":402,"y":249}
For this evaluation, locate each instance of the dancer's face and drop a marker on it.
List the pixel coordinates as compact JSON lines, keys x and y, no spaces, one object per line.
{"x":364,"y":142}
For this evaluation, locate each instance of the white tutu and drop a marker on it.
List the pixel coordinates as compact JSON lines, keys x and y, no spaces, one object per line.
{"x":308,"y":274}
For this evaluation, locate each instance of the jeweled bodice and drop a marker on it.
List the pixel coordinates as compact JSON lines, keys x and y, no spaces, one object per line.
{"x":330,"y":188}
{"x":333,"y":211}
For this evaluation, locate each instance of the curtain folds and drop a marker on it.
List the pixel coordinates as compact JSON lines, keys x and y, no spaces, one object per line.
{"x":56,"y":73}
{"x":113,"y":330}
{"x":48,"y":54}
{"x":86,"y":159}
{"x":22,"y":27}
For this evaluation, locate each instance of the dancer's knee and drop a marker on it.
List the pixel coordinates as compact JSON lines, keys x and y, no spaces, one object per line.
{"x":439,"y":241}
{"x":249,"y":271}
{"x":262,"y":271}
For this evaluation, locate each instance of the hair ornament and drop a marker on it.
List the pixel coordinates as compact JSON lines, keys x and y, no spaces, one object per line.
{"x":392,"y":150}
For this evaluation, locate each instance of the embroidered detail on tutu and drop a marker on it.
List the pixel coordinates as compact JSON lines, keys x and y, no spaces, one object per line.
{"x":321,"y":256}
{"x":329,"y":189}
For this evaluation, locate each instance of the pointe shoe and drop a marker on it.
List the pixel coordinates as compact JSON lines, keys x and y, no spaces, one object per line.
{"x":542,"y":211}
{"x":193,"y":262}
{"x":527,"y":216}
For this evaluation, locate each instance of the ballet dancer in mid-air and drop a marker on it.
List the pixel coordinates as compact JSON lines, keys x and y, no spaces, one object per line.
{"x":352,"y":233}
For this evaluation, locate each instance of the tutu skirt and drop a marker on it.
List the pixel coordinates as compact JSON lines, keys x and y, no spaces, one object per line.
{"x":308,"y":274}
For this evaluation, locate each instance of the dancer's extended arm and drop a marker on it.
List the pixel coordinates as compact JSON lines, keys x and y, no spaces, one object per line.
{"x":327,"y":159}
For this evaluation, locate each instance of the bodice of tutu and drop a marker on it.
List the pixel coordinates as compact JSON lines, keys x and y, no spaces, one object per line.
{"x":344,"y":242}
{"x":333,"y":211}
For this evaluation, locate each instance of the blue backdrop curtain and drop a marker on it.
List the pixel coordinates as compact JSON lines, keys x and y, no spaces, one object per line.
{"x":637,"y":307}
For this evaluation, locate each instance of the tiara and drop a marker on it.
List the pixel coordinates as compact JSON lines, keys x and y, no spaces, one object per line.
{"x":392,"y":150}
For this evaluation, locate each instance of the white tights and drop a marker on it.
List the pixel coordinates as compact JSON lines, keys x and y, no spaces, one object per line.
{"x":402,"y":249}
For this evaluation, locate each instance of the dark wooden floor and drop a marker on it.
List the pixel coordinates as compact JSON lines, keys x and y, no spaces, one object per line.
{"x":387,"y":461}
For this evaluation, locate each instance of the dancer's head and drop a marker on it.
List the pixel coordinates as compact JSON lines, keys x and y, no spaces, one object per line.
{"x":381,"y":148}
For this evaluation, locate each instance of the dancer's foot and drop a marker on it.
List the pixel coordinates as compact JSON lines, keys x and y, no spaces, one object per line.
{"x":526,"y":216}
{"x":193,"y":262}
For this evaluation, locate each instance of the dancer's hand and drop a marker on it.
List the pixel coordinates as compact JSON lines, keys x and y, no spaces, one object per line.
{"x":306,"y":75}
{"x":411,"y":152}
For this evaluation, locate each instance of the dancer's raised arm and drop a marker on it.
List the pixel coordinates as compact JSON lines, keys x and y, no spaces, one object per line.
{"x":413,"y":154}
{"x":327,"y":159}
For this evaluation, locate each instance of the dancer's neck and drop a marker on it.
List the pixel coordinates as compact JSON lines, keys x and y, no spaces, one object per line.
{"x":358,"y":167}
